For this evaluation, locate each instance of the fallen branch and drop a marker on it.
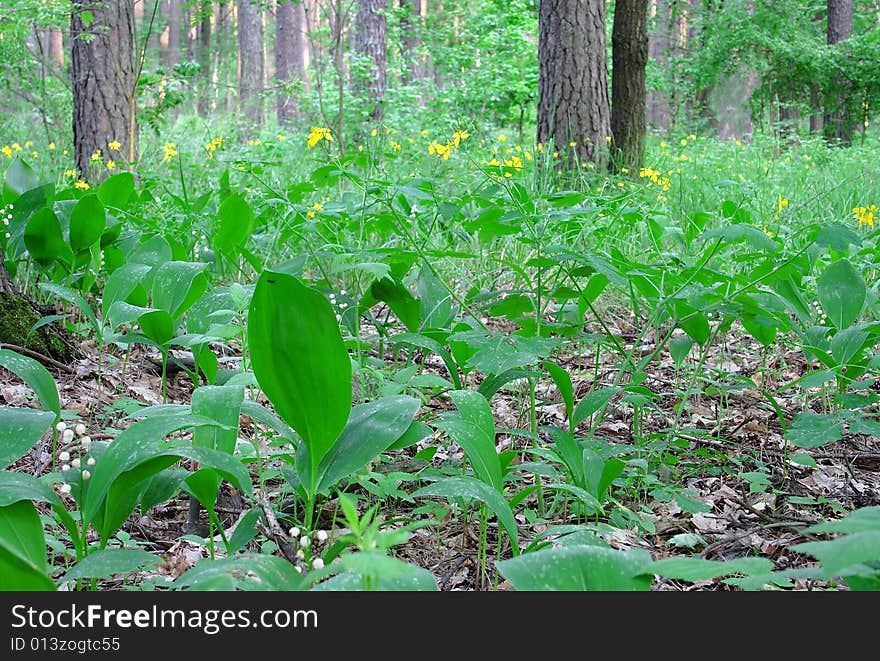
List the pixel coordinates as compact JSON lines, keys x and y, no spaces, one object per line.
{"x":36,"y":355}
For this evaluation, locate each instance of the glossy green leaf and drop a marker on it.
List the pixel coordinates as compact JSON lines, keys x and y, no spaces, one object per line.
{"x":579,"y":568}
{"x":473,"y":428}
{"x":300,"y":361}
{"x":591,"y":404}
{"x":121,"y":283}
{"x":35,"y":376}
{"x":813,"y":430}
{"x":842,"y":293}
{"x":20,"y":430}
{"x":117,"y":191}
{"x":563,"y":383}
{"x":43,"y":237}
{"x":177,"y":285}
{"x":236,"y":221}
{"x":697,"y":569}
{"x":248,"y":571}
{"x":87,"y":222}
{"x":74,"y":297}
{"x":23,"y":564}
{"x":104,"y":563}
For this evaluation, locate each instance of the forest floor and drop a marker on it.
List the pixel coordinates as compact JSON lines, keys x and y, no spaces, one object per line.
{"x":743,"y":495}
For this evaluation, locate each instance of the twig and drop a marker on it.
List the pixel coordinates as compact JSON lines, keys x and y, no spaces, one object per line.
{"x":36,"y":355}
{"x":275,"y":532}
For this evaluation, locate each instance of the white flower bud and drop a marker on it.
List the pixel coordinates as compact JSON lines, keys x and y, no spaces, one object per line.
{"x":64,"y":456}
{"x":321,"y":536}
{"x":317,"y":563}
{"x":86,"y":475}
{"x":80,"y":429}
{"x":75,"y":463}
{"x":304,"y":542}
{"x":86,"y":442}
{"x":65,"y":467}
{"x":61,"y":426}
{"x":67,"y":435}
{"x":90,"y":461}
{"x":300,"y":555}
{"x":294,"y":532}
{"x":64,"y":488}
{"x":297,"y":569}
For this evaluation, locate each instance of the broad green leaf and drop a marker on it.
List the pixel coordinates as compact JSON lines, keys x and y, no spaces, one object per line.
{"x":404,"y":305}
{"x":121,"y":283}
{"x":416,"y":432}
{"x":579,"y":568}
{"x":248,"y":571}
{"x":117,"y":191}
{"x":842,"y":293}
{"x":104,"y":563}
{"x":495,"y":382}
{"x":680,"y":348}
{"x":157,"y":325}
{"x":43,"y":238}
{"x":18,"y":486}
{"x":590,"y":404}
{"x":431,"y":345}
{"x":848,"y":344}
{"x":300,"y":361}
{"x":473,"y":428}
{"x":471,"y":488}
{"x":742,"y":232}
{"x":236,"y":220}
{"x":697,"y":569}
{"x":245,"y":530}
{"x":496,"y":352}
{"x":20,"y":178}
{"x":372,"y":428}
{"x":35,"y":376}
{"x":23,"y":563}
{"x":376,"y":571}
{"x":865,"y":519}
{"x":223,"y":404}
{"x":177,"y":285}
{"x":20,"y":430}
{"x":812,"y":430}
{"x":843,"y":552}
{"x":760,"y":327}
{"x":87,"y":222}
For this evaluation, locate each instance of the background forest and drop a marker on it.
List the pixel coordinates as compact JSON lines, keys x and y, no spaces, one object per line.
{"x":410,"y":295}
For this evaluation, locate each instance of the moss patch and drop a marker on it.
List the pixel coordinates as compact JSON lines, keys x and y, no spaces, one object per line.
{"x":17,"y":317}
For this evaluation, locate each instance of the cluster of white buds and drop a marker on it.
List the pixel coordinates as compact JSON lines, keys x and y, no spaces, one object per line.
{"x":68,"y":433}
{"x":339,"y":305}
{"x":6,"y":214}
{"x":308,"y":545}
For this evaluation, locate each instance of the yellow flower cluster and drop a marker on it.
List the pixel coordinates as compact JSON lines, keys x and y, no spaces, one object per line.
{"x":317,"y":134}
{"x":781,"y":203}
{"x":656,"y":177}
{"x":114,"y":145}
{"x":444,"y":151}
{"x":7,"y":152}
{"x":82,"y":185}
{"x":214,"y":145}
{"x":170,"y":150}
{"x":866,"y":215}
{"x":317,"y":206}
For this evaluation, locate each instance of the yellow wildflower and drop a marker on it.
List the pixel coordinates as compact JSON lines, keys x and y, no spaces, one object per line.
{"x":317,"y":134}
{"x":111,"y":164}
{"x":70,"y":173}
{"x":7,"y":152}
{"x":170,"y":150}
{"x":51,"y":145}
{"x":16,"y":146}
{"x":96,"y":155}
{"x":114,"y":145}
{"x":458,"y":136}
{"x":502,"y":138}
{"x":317,"y":206}
{"x":374,"y":133}
{"x":82,"y":185}
{"x":866,"y":215}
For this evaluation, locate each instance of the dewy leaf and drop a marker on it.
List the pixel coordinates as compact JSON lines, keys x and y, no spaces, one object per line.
{"x":20,"y":429}
{"x":300,"y":361}
{"x":497,"y":352}
{"x":43,"y":237}
{"x":471,"y":488}
{"x":35,"y":376}
{"x":579,"y":568}
{"x":248,"y":571}
{"x":103,"y":563}
{"x":842,"y":293}
{"x":177,"y":285}
{"x":87,"y":222}
{"x":592,"y":403}
{"x":812,"y":430}
{"x":697,"y":569}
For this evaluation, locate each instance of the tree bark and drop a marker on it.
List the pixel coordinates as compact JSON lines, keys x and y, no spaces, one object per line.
{"x":573,"y":80}
{"x":838,"y":113}
{"x":203,"y":53}
{"x":370,"y":43}
{"x":56,"y":49}
{"x":411,"y":26}
{"x":174,"y":12}
{"x":285,"y":58}
{"x":658,"y":52}
{"x":103,"y":73}
{"x":250,"y":61}
{"x":301,"y":46}
{"x":629,"y":44}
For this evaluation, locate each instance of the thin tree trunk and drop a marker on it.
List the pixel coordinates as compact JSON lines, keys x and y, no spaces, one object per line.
{"x":370,"y":43}
{"x":56,"y":49}
{"x":103,"y":73}
{"x":658,"y":52}
{"x":301,"y":46}
{"x":629,"y":43}
{"x":838,"y":111}
{"x":411,"y":26}
{"x":285,"y":58}
{"x":573,"y":80}
{"x":171,"y":54}
{"x":203,"y":51}
{"x":250,"y":56}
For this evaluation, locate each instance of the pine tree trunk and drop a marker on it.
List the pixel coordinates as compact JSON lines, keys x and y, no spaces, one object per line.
{"x":838,"y":106}
{"x":285,"y":58}
{"x":411,"y":40}
{"x":573,"y":80}
{"x":203,"y":52}
{"x":56,"y":49}
{"x":658,"y":52}
{"x":103,"y":73}
{"x":629,"y":44}
{"x":301,"y":45}
{"x":174,"y":12}
{"x":370,"y":43}
{"x":250,"y":61}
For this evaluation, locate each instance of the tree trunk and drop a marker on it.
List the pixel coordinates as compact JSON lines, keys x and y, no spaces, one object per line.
{"x":250,"y":61}
{"x":285,"y":58}
{"x":301,"y":46}
{"x":411,"y":40}
{"x":629,"y":44}
{"x":203,"y":53}
{"x":838,"y":106}
{"x":370,"y":43}
{"x":658,"y":52}
{"x":56,"y":49}
{"x":103,"y":73}
{"x":573,"y":80}
{"x":174,"y":12}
